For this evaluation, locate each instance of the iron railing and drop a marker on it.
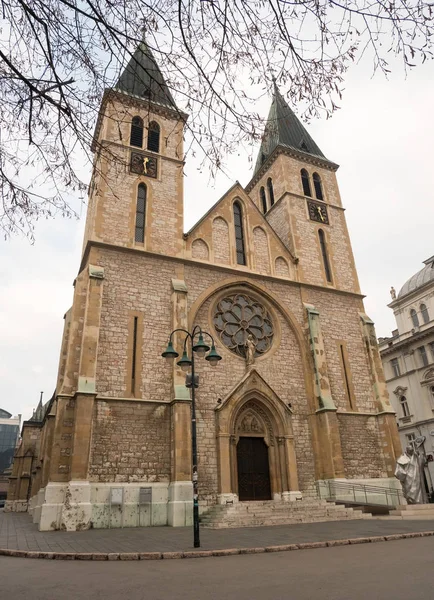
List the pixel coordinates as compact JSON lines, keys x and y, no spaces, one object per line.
{"x":359,"y":493}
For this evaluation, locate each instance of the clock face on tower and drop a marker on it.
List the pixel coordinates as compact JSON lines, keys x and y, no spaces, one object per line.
{"x":318,"y":212}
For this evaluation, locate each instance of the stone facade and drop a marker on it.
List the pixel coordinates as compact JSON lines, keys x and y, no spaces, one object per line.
{"x":120,"y":418}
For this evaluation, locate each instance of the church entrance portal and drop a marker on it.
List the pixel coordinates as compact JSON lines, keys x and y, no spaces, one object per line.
{"x":253,"y":469}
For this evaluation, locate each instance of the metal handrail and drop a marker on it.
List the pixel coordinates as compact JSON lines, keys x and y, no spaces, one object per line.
{"x":329,"y":490}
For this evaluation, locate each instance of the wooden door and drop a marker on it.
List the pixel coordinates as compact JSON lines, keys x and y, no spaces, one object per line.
{"x":253,"y":469}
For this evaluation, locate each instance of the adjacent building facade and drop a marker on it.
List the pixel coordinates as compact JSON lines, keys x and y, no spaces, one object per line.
{"x":408,"y":360}
{"x":269,"y":265}
{"x":9,"y":435}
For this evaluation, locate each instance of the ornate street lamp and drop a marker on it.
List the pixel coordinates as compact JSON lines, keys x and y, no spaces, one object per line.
{"x":199,"y":347}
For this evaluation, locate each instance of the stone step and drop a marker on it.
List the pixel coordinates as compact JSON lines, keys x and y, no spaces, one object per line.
{"x":277,"y":514}
{"x":253,"y":520}
{"x":264,"y":513}
{"x":278,"y":511}
{"x":273,"y":522}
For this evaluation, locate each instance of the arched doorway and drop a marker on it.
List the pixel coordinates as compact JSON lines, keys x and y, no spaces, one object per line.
{"x":255,"y":444}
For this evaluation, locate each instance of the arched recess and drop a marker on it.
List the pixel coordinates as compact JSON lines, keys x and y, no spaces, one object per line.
{"x":199,"y":249}
{"x":220,"y":240}
{"x":281,"y":267}
{"x":261,"y":250}
{"x":252,"y":410}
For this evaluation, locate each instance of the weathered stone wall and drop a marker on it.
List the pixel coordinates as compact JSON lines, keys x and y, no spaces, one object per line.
{"x":130,"y":442}
{"x":278,"y":217}
{"x":139,"y":284}
{"x":340,"y":321}
{"x":361,"y":448}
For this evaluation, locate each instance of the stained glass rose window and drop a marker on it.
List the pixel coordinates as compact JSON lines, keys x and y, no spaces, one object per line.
{"x":238,"y":316}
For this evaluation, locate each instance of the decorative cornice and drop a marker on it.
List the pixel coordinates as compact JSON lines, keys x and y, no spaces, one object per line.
{"x":406,"y":342}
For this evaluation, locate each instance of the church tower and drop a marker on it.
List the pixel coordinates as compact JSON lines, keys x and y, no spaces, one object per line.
{"x":136,"y":192}
{"x":295,"y":186}
{"x":299,"y":397}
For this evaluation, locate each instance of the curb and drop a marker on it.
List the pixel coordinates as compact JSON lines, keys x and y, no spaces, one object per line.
{"x":209,"y":553}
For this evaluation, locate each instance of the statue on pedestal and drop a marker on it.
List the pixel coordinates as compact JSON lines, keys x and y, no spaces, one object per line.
{"x":409,"y":471}
{"x":250,"y":350}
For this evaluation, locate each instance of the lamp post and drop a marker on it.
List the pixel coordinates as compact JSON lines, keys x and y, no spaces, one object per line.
{"x":200,"y":347}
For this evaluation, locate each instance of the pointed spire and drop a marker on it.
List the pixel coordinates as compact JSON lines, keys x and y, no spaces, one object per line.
{"x":283,"y":128}
{"x":142,"y":78}
{"x":39,"y":412}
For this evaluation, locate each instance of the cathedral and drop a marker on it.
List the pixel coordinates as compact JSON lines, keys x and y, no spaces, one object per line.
{"x":267,"y":274}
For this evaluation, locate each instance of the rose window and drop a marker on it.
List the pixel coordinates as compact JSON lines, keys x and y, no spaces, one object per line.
{"x":236,"y":317}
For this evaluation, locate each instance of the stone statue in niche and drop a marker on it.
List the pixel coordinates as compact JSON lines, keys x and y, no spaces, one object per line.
{"x":409,"y":472}
{"x":250,"y":350}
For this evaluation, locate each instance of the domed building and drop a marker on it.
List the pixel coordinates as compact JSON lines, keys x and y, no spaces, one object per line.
{"x":408,"y":361}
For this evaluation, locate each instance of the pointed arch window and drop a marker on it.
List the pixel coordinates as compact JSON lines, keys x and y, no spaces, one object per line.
{"x":263,"y":200}
{"x":270,"y":190}
{"x":140,"y":213}
{"x":154,"y":137}
{"x":325,"y":258}
{"x":414,"y":318}
{"x":318,"y":187}
{"x":136,"y":136}
{"x":305,"y":182}
{"x":239,"y":233}
{"x":424,"y":313}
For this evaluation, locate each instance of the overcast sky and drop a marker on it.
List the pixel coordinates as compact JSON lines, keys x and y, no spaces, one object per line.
{"x":382,"y":137}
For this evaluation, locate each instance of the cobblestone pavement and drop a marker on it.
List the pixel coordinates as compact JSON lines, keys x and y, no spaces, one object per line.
{"x":17,"y":532}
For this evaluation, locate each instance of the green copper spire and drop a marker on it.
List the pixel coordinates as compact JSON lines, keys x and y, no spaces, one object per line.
{"x":142,"y":78}
{"x":283,"y":128}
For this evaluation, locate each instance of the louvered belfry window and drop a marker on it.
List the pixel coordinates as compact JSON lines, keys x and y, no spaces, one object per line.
{"x":140,"y":213}
{"x":305,"y":182}
{"x":154,"y":137}
{"x":239,"y":234}
{"x":318,"y":187}
{"x":136,"y":137}
{"x":270,"y":191}
{"x":263,"y":200}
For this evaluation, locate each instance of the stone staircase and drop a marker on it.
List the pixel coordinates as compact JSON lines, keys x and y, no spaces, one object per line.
{"x":413,"y":512}
{"x":257,"y":514}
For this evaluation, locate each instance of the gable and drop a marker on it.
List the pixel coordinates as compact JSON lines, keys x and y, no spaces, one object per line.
{"x":213,"y":238}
